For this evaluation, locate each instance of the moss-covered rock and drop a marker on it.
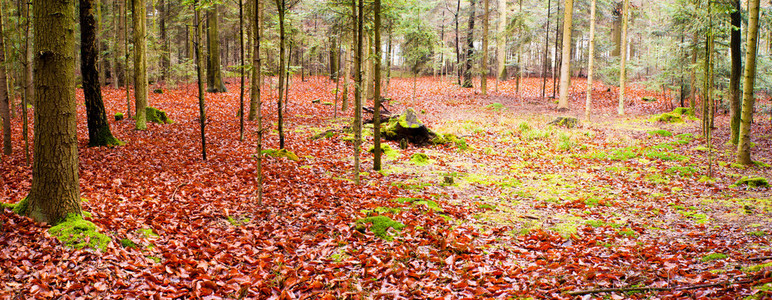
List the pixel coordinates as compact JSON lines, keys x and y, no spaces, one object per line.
{"x":649,"y":99}
{"x":419,"y":159}
{"x":678,"y":115}
{"x":385,"y":150}
{"x":567,"y":122}
{"x":75,"y":232}
{"x":380,"y":226}
{"x":281,"y":153}
{"x":752,"y":182}
{"x":118,"y":116}
{"x":157,"y":116}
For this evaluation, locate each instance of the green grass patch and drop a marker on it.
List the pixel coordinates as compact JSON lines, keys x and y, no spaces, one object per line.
{"x":752,"y":182}
{"x":713,"y":256}
{"x":660,"y":132}
{"x":757,"y":233}
{"x":495,"y":106}
{"x":420,"y":159}
{"x":665,"y":156}
{"x":682,"y":171}
{"x":281,"y":153}
{"x":380,"y":226}
{"x":616,"y":154}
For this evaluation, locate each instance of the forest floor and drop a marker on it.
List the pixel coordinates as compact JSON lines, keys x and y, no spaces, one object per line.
{"x":528,"y":211}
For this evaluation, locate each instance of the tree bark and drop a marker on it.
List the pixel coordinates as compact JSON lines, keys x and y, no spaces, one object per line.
{"x":200,"y":76}
{"x":591,"y":60}
{"x":280,"y":4}
{"x":623,"y":59}
{"x":501,"y":42}
{"x":164,"y":59}
{"x":734,"y":79}
{"x":140,"y":64}
{"x":744,"y":142}
{"x":377,"y":88}
{"x":484,"y":58}
{"x":257,"y":64}
{"x":469,"y":48}
{"x":119,"y":60}
{"x":214,"y":83}
{"x":359,"y":13}
{"x":565,"y":67}
{"x":55,"y":192}
{"x":546,"y":51}
{"x":99,"y":133}
{"x":616,"y":29}
{"x":5,"y":109}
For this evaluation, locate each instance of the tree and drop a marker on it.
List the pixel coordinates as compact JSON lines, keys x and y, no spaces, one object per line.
{"x":418,"y":46}
{"x":140,"y":63}
{"x":28,"y":88}
{"x":257,"y":76}
{"x":55,"y":192}
{"x":377,"y":88}
{"x":119,"y":59}
{"x":590,"y":61}
{"x":501,"y":42}
{"x":744,"y":142}
{"x":163,"y":13}
{"x":484,"y":63}
{"x":623,"y":59}
{"x":214,"y":83}
{"x":546,"y":51}
{"x":200,"y":76}
{"x":565,"y":67}
{"x":5,"y":110}
{"x":735,"y":47}
{"x":99,"y":133}
{"x":258,"y":17}
{"x":469,"y":48}
{"x":358,"y":15}
{"x":281,"y":6}
{"x":241,"y":69}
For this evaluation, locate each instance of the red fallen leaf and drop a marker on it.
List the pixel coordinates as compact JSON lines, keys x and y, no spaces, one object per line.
{"x":100,"y":286}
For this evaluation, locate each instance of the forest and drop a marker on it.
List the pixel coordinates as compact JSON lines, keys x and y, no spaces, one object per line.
{"x":386,"y":149}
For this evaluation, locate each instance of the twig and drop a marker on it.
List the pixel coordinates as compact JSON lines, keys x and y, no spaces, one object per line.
{"x":176,"y":188}
{"x":651,"y":288}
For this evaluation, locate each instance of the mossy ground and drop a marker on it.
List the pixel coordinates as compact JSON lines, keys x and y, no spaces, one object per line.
{"x":281,"y":153}
{"x":75,"y":232}
{"x":380,"y":226}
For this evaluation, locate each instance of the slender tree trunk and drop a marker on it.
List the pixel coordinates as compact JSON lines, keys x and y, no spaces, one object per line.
{"x":546,"y":51}
{"x":501,"y":46}
{"x":744,"y":142}
{"x":558,"y":57}
{"x":200,"y":76}
{"x":458,"y":43}
{"x":119,"y":60}
{"x":28,"y":81}
{"x":214,"y":83}
{"x":55,"y":192}
{"x":281,"y":6}
{"x":708,"y":90}
{"x":734,"y":79}
{"x":388,"y":61}
{"x":623,"y":59}
{"x":469,"y":48}
{"x":164,"y":59}
{"x":377,"y":88}
{"x":565,"y":66}
{"x":5,"y":109}
{"x":693,"y":73}
{"x":140,"y":63}
{"x":484,"y":64}
{"x":347,"y":75}
{"x":257,"y":74}
{"x":99,"y":133}
{"x":359,"y":13}
{"x":243,"y":65}
{"x":591,"y":60}
{"x":256,"y":87}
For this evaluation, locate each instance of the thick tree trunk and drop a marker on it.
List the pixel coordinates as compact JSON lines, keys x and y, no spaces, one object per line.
{"x":140,"y":63}
{"x":623,"y":60}
{"x":734,"y":79}
{"x":469,"y":47}
{"x":5,"y":109}
{"x":591,"y":60}
{"x":98,"y":129}
{"x":257,"y":63}
{"x":484,"y":59}
{"x":744,"y":143}
{"x":501,"y":42}
{"x":565,"y":66}
{"x":55,"y":192}
{"x":616,"y":29}
{"x":214,"y":83}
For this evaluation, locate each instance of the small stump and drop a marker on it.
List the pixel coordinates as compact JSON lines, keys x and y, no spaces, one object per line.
{"x":156,"y":116}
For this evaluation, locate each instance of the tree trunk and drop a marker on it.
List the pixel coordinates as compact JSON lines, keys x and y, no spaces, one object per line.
{"x":346,"y":75}
{"x":241,"y":70}
{"x":469,"y":48}
{"x":693,"y":73}
{"x":333,"y":58}
{"x":98,"y":129}
{"x":484,"y":63}
{"x":200,"y":76}
{"x":734,"y":80}
{"x":257,"y":65}
{"x":359,"y":13}
{"x":623,"y":59}
{"x":119,"y":60}
{"x":458,"y":44}
{"x":377,"y":88}
{"x":28,"y":88}
{"x":214,"y":83}
{"x":55,"y":192}
{"x":744,"y":142}
{"x":164,"y":59}
{"x":5,"y":109}
{"x":565,"y":66}
{"x":546,"y":51}
{"x":140,"y":63}
{"x":616,"y":29}
{"x":281,"y":6}
{"x":591,"y":60}
{"x":501,"y":47}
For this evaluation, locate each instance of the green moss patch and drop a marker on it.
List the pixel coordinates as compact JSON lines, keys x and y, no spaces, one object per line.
{"x":661,"y":132}
{"x":127,"y":243}
{"x":444,"y":139}
{"x":75,"y":232}
{"x":682,"y":171}
{"x":713,"y":256}
{"x":420,"y":159}
{"x":666,"y":156}
{"x":752,"y":182}
{"x":379,"y":226}
{"x":495,"y":106}
{"x":678,"y":115}
{"x":385,"y":150}
{"x":756,"y":268}
{"x":281,"y":153}
{"x":157,"y":116}
{"x":118,"y":116}
{"x":616,"y":154}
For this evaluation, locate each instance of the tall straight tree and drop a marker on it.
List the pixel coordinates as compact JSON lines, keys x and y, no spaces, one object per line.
{"x":623,"y":59}
{"x":28,"y":88}
{"x":55,"y":192}
{"x":241,"y":69}
{"x":281,"y":7}
{"x":377,"y":89}
{"x":501,"y":42}
{"x":163,"y":16}
{"x":140,"y":63}
{"x":546,"y":51}
{"x":99,"y":133}
{"x":257,"y":64}
{"x":484,"y":63}
{"x":358,"y":14}
{"x":200,"y":76}
{"x":744,"y":142}
{"x":565,"y":66}
{"x":590,"y":61}
{"x":735,"y":46}
{"x":469,"y":48}
{"x":119,"y":59}
{"x":5,"y":110}
{"x":214,"y":83}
